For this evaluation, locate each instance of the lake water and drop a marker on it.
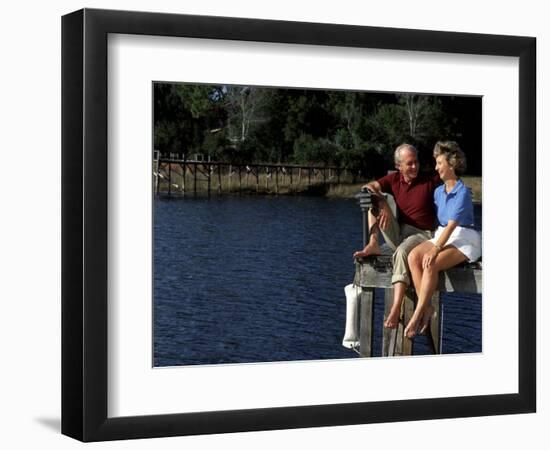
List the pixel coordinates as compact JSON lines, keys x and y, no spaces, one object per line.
{"x":257,"y":279}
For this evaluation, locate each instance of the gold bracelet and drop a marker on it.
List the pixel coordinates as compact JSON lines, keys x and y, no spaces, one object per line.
{"x":438,"y":247}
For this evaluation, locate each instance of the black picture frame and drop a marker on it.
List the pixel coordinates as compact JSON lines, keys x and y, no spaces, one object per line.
{"x":84,"y":224}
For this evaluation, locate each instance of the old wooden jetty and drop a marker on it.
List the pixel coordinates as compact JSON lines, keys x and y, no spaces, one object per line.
{"x":174,"y":175}
{"x":375,"y":272}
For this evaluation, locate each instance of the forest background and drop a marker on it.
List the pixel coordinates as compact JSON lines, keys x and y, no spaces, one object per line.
{"x":357,"y":131}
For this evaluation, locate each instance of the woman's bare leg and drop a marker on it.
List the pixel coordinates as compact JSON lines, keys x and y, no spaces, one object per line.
{"x":415,"y":266}
{"x":448,"y":257}
{"x":415,"y":263}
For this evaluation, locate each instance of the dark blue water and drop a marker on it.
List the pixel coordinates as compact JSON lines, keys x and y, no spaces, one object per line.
{"x":256,"y":279}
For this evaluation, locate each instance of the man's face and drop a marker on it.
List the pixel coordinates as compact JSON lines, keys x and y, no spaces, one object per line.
{"x":408,"y":165}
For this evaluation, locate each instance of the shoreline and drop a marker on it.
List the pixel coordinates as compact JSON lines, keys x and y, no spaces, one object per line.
{"x":329,"y":190}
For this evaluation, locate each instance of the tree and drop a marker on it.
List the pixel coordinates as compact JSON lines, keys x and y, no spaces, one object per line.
{"x":424,"y":114}
{"x":244,"y":108}
{"x":358,"y":130}
{"x":348,"y":111}
{"x":184,"y":114}
{"x":311,"y":151}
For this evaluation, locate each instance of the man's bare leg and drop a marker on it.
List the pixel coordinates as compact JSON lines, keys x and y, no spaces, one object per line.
{"x":398,"y":294}
{"x":372,"y":247}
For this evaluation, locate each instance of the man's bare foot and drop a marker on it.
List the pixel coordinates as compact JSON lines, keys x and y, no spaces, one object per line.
{"x":370,"y":249}
{"x":426,"y":318}
{"x":393,"y":318}
{"x":411,"y":329}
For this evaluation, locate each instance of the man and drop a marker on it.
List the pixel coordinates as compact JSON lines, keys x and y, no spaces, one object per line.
{"x":414,"y":198}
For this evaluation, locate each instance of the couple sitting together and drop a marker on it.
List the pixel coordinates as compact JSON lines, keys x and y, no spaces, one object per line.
{"x":418,"y":254}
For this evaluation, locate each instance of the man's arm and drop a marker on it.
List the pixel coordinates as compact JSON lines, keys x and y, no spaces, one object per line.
{"x":375,"y":188}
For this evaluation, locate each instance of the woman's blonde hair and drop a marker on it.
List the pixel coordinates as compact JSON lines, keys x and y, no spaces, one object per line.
{"x":453,"y":154}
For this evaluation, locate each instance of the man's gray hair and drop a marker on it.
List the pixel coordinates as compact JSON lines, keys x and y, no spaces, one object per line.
{"x":397,"y":153}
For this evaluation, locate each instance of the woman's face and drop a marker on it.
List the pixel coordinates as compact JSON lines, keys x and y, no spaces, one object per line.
{"x":444,"y":169}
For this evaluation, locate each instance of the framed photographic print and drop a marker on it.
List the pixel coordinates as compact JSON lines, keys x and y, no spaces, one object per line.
{"x":210,"y":167}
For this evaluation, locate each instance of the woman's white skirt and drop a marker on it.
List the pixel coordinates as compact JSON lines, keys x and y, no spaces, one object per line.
{"x":466,"y":240}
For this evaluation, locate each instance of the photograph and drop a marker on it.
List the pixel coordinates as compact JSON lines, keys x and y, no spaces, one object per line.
{"x":279,"y":212}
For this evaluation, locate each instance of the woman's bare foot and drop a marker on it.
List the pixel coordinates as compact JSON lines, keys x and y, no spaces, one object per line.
{"x":411,"y":329}
{"x":426,"y":318}
{"x":393,"y":318}
{"x":370,"y":249}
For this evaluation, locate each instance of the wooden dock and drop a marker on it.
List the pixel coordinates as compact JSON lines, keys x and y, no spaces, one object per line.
{"x":375,"y":272}
{"x":179,"y":177}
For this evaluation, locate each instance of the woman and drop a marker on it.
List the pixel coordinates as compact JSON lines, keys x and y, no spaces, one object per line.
{"x":455,"y":240}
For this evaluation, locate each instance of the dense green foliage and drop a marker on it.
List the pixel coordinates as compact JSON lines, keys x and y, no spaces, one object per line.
{"x":356,"y":130}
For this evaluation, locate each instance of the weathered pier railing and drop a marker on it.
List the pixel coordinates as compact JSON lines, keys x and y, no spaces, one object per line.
{"x":182,"y":176}
{"x":375,"y":272}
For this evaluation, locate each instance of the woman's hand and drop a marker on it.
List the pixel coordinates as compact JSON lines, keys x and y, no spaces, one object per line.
{"x":429,"y":258}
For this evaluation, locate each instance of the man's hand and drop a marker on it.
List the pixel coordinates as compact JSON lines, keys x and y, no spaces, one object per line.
{"x":373,"y":187}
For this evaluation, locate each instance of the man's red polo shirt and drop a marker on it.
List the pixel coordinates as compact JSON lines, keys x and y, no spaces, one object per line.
{"x":415,"y":200}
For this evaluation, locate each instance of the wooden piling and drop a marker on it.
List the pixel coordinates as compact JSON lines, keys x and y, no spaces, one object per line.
{"x":194,"y":179}
{"x":157,"y":181}
{"x":240,"y":184}
{"x":407,"y":344}
{"x":219,"y":179}
{"x":389,"y":335}
{"x":184,"y":169}
{"x":394,"y":342}
{"x":169,"y":179}
{"x":366,"y":311}
{"x":209,"y":178}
